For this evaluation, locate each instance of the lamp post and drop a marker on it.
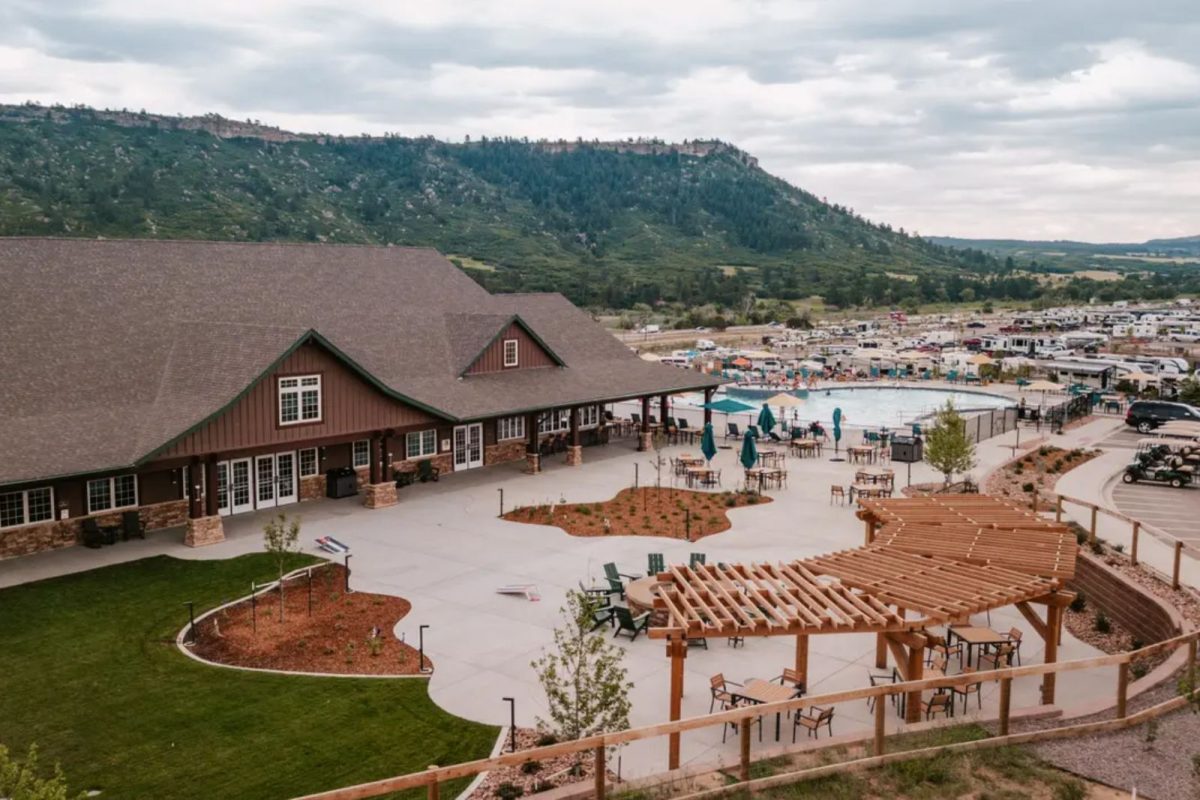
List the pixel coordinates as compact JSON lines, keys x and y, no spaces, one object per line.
{"x":346,"y":588}
{"x":501,"y":491}
{"x":512,"y":723}
{"x":421,"y":648}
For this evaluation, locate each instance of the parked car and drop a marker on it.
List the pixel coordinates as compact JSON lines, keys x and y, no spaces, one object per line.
{"x":1146,"y":415}
{"x":976,"y":324}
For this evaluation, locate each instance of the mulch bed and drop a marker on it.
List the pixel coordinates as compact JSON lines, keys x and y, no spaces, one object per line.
{"x":1041,"y":468}
{"x":647,"y":511}
{"x":539,"y":776}
{"x":346,"y":634}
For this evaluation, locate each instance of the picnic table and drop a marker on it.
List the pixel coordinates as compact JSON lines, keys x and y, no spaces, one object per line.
{"x":757,"y":691}
{"x":976,"y":636}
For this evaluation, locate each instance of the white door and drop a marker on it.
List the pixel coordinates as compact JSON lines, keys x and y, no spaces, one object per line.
{"x":223,"y":488}
{"x":285,"y":478}
{"x":468,"y":446}
{"x":264,"y":483}
{"x":241,"y":497}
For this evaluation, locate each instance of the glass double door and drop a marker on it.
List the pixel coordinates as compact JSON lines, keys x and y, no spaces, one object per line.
{"x":247,"y":484}
{"x":468,"y":446}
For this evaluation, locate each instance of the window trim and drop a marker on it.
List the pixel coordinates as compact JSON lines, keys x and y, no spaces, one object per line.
{"x":354,"y":453}
{"x":25,"y":520}
{"x":421,"y":450}
{"x":316,"y":463}
{"x":513,"y":421}
{"x":112,"y":493}
{"x":516,"y":353}
{"x":299,"y":390}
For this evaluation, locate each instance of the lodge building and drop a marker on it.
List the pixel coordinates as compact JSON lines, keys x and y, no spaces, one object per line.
{"x":193,"y":380}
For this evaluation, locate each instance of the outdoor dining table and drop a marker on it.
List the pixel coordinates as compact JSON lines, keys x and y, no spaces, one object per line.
{"x":763,"y":476}
{"x":770,"y":458}
{"x":690,"y":460}
{"x":804,"y":447}
{"x":875,"y":475}
{"x":976,"y":636}
{"x":861,"y":452}
{"x":867,"y":490}
{"x":697,"y":473}
{"x":758,"y":691}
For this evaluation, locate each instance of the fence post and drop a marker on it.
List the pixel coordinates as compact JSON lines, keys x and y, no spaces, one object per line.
{"x":1033,"y":506}
{"x":744,"y":772}
{"x":1092,"y":530}
{"x":1191,"y":662}
{"x":433,"y":784}
{"x":1137,"y":528}
{"x":881,"y":701}
{"x":1005,"y":704}
{"x":600,"y":773}
{"x":1122,"y":688}
{"x":1058,"y":509}
{"x":1175,"y":569}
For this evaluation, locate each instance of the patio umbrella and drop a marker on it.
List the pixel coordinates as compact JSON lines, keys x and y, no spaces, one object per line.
{"x":1044,"y":386}
{"x":728,"y":405}
{"x":837,"y":428}
{"x":766,"y":420}
{"x":708,"y":443}
{"x":981,"y":360}
{"x":749,"y":455}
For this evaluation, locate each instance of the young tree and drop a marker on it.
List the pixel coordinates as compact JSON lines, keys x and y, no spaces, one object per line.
{"x":1189,"y":391}
{"x":583,"y":676}
{"x":948,"y":449}
{"x":19,"y":780}
{"x":281,"y":538}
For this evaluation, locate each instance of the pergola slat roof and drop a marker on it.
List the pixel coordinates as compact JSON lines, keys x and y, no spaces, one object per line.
{"x":941,"y":557}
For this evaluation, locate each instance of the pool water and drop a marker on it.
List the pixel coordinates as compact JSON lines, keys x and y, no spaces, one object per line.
{"x":873,"y":407}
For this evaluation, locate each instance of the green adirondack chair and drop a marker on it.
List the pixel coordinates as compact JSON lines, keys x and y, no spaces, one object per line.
{"x":613,"y":574}
{"x":628,"y":624}
{"x":697,"y":559}
{"x":655,"y":564}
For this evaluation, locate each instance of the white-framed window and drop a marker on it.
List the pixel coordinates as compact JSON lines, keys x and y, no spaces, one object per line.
{"x":510,"y":352}
{"x":26,"y":507}
{"x":362,"y":453}
{"x":107,"y":494}
{"x":510,"y":428}
{"x":299,"y":399}
{"x":419,"y":444}
{"x":589,"y":416}
{"x":554,"y":421}
{"x":308,"y":462}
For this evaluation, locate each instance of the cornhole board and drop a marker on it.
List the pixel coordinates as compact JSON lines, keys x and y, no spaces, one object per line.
{"x":529,"y":590}
{"x":332,"y":545}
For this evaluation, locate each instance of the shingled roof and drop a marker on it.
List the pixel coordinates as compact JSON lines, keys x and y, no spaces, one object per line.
{"x":113,"y":347}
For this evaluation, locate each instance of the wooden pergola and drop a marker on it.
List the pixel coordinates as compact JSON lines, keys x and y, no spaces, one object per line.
{"x":927,"y":561}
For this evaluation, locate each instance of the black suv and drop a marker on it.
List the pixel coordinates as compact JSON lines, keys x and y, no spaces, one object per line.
{"x":1146,"y":415}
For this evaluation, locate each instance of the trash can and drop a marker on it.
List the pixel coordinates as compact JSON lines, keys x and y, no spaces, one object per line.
{"x":341,"y":482}
{"x":907,"y":449}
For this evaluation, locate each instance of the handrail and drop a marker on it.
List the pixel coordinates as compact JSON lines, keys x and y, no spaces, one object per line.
{"x":745,"y":714}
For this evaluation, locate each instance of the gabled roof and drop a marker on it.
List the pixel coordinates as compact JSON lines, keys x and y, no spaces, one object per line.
{"x":112,"y":348}
{"x":471,"y":333}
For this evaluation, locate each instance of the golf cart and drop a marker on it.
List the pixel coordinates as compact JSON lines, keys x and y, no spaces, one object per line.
{"x":1161,"y":462}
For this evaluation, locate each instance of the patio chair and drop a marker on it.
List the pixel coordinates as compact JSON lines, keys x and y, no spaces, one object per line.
{"x":812,"y":719}
{"x":968,"y":690}
{"x":720,"y":692}
{"x":1014,"y":638}
{"x":603,"y":613}
{"x":938,"y":704}
{"x":880,"y":679}
{"x":839,"y":492}
{"x":754,"y":431}
{"x":790,"y":677}
{"x":696,"y":560}
{"x":999,"y":657}
{"x":775,"y":437}
{"x":92,"y":536}
{"x":605,"y":591}
{"x":731,"y":431}
{"x":937,"y":646}
{"x":613,"y":574}
{"x":711,"y":479}
{"x":628,"y":624}
{"x":637,"y":420}
{"x":655,"y":564}
{"x":683,"y":425}
{"x":426,"y":471}
{"x":652,"y":420}
{"x":132,"y":525}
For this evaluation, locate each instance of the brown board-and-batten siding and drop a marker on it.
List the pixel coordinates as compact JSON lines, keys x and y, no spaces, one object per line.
{"x":349,"y":405}
{"x":530,"y":354}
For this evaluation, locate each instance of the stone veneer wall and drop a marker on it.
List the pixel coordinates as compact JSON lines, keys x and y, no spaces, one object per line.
{"x":57,"y":534}
{"x":443,"y":461}
{"x":504,"y":451}
{"x":1133,"y":608}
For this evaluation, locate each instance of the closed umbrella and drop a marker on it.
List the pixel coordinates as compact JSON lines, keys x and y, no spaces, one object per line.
{"x":766,"y":420}
{"x":749,"y":455}
{"x":708,"y":443}
{"x":837,"y":429}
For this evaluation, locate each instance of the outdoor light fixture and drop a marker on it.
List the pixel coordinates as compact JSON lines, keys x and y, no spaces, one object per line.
{"x":421,"y":648}
{"x":512,"y":723}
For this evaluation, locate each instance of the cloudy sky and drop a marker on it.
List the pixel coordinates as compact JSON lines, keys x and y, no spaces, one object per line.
{"x":1014,"y":118}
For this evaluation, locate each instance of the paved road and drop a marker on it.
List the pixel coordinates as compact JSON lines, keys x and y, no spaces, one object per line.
{"x":1124,"y":437}
{"x":1176,"y":511}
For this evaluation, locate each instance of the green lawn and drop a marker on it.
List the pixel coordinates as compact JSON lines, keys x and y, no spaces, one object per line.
{"x":89,"y":671}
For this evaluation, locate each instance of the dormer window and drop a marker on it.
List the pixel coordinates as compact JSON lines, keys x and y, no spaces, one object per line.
{"x":299,"y":399}
{"x":510,"y":353}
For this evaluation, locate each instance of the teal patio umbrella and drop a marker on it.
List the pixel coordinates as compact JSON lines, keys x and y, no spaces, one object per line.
{"x":837,"y":428}
{"x":766,"y":420}
{"x":728,"y":405}
{"x":749,"y":456}
{"x":708,"y":444}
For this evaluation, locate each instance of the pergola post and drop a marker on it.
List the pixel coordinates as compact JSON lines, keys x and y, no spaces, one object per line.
{"x":869,"y":533}
{"x":677,"y":652}
{"x":1053,"y":628}
{"x":802,"y":658}
{"x":881,"y":651}
{"x":708,"y":396}
{"x":916,"y":671}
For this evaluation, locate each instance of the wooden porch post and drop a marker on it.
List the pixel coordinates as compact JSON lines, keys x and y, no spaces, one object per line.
{"x":881,"y":651}
{"x":916,"y":671}
{"x":802,"y":658}
{"x":708,"y":396}
{"x":210,"y":485}
{"x":644,"y":433}
{"x":195,"y":501}
{"x":575,"y":442}
{"x":663,"y":410}
{"x":677,"y":652}
{"x":373,"y":470}
{"x":384,"y":460}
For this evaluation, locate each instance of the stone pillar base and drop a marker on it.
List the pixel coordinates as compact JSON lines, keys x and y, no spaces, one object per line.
{"x":645,"y":441}
{"x":575,"y":455}
{"x":202,"y":531}
{"x":533,"y":463}
{"x":379,"y":495}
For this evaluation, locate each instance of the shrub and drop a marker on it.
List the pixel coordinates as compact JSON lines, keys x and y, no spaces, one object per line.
{"x":751,"y":499}
{"x":1120,"y":548}
{"x":509,"y":791}
{"x":546,"y":739}
{"x":585,"y":511}
{"x":730,"y":502}
{"x":1043,"y":451}
{"x":1018,"y":469}
{"x":530,"y":767}
{"x":542,"y":786}
{"x":1138,"y":670}
{"x":1058,"y":464}
{"x":1097,"y":547}
{"x":375,"y":645}
{"x":1027,"y":487}
{"x":1136,"y":644}
{"x":1069,"y":790}
{"x":1079,"y":603}
{"x":1101,"y":623}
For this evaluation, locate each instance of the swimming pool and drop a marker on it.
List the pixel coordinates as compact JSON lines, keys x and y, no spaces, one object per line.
{"x":873,"y":407}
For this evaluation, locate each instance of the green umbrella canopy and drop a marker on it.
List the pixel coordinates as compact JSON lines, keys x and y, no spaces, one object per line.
{"x":728,"y":405}
{"x":837,"y":424}
{"x":749,"y":455}
{"x":708,"y":443}
{"x":766,"y":420}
